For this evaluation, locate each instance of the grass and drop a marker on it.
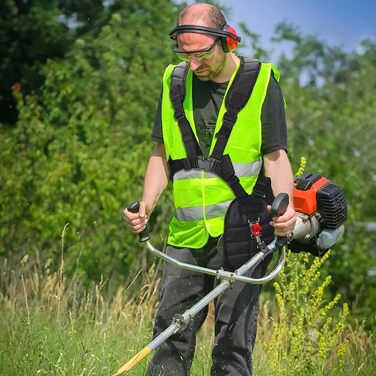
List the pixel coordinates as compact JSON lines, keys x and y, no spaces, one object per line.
{"x":50,"y":325}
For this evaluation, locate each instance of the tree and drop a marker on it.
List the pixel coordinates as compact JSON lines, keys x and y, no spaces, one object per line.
{"x":77,"y":152}
{"x":330,"y":99}
{"x":31,"y":32}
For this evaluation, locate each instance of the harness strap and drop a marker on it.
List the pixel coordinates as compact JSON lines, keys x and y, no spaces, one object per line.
{"x":236,"y":98}
{"x":177,"y":96}
{"x":246,"y":202}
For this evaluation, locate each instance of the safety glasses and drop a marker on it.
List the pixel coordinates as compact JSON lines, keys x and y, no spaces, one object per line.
{"x":203,"y":54}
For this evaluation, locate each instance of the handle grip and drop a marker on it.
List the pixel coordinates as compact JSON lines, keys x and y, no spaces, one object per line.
{"x":280,"y":204}
{"x":134,"y":207}
{"x":279,"y":207}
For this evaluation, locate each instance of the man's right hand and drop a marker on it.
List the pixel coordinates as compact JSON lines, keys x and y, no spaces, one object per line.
{"x":136,"y":221}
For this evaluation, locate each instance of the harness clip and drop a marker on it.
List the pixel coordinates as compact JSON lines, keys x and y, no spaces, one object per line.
{"x":256,"y":229}
{"x":256,"y":232}
{"x":187,"y":164}
{"x":208,"y":164}
{"x":179,"y":113}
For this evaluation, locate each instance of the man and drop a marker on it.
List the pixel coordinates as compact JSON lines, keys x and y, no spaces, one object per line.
{"x":259,"y":134}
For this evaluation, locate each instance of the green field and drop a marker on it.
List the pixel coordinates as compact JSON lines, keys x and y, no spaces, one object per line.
{"x":50,"y":325}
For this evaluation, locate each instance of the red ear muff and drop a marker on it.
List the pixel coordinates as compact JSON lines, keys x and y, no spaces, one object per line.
{"x":230,"y":43}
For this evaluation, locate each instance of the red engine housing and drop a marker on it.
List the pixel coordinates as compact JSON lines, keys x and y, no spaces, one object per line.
{"x":305,"y":192}
{"x":314,"y":193}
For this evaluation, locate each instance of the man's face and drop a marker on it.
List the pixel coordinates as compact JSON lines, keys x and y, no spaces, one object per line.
{"x":205,"y":65}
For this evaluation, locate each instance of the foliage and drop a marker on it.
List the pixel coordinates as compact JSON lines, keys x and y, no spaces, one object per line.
{"x":252,"y":40}
{"x":77,"y":153}
{"x":31,"y":32}
{"x":329,"y":95}
{"x":307,"y":337}
{"x":330,"y":112}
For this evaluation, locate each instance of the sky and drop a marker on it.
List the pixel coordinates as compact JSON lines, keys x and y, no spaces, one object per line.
{"x":337,"y":22}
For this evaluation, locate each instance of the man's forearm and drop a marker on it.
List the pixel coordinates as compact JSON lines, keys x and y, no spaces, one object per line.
{"x":156,"y":178}
{"x":278,"y":169}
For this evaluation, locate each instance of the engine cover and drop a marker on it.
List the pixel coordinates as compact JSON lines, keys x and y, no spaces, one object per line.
{"x":314,"y":193}
{"x":332,"y":205}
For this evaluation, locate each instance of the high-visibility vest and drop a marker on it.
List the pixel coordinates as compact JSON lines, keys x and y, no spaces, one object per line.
{"x":201,"y":198}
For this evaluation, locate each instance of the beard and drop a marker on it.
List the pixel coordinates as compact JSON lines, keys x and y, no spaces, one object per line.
{"x":206,"y":72}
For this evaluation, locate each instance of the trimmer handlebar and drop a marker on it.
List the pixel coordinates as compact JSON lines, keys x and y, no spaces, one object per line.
{"x":180,"y":321}
{"x":134,"y":207}
{"x":237,"y":275}
{"x":279,"y":206}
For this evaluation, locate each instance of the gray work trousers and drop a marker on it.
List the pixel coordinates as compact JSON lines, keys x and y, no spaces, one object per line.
{"x":236,"y":312}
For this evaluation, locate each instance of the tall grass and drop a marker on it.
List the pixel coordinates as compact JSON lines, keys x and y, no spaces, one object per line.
{"x":308,"y":333}
{"x":52,"y":325}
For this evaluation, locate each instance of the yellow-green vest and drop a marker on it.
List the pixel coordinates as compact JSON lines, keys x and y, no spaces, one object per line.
{"x":201,"y":198}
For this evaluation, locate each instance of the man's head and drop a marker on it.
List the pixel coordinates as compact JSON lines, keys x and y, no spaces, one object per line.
{"x":203,"y":38}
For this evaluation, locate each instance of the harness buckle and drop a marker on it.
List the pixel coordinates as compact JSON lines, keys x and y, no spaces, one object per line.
{"x":179,"y":113}
{"x":187,"y":164}
{"x":230,"y":116}
{"x":220,"y":135}
{"x":258,"y":193}
{"x":208,"y":164}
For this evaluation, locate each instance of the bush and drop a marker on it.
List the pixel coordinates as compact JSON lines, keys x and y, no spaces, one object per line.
{"x":79,"y":150}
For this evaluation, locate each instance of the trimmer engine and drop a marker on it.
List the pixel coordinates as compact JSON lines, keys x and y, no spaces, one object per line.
{"x":320,"y":205}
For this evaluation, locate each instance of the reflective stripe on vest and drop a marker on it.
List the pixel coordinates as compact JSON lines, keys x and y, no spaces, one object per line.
{"x":211,"y":211}
{"x":196,"y":213}
{"x":201,"y":198}
{"x":241,"y":169}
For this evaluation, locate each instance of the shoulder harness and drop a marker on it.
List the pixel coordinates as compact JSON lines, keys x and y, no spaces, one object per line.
{"x":236,"y":98}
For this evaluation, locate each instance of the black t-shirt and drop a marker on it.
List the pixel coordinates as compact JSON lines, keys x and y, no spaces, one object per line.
{"x":207,"y":100}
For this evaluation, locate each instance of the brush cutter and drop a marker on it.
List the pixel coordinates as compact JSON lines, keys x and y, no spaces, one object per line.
{"x":321,"y":211}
